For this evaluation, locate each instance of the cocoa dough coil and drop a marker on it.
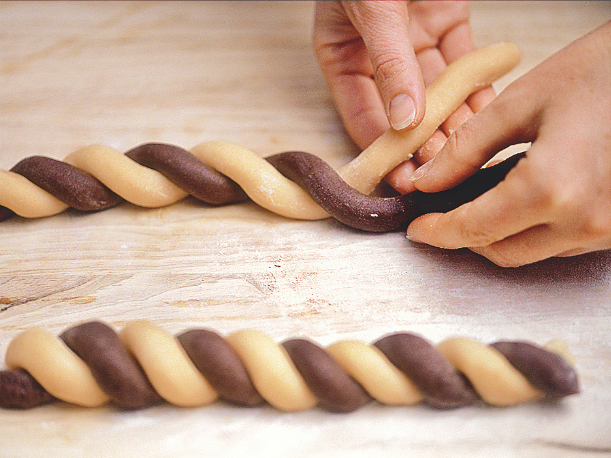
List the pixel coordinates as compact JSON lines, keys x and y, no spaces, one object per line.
{"x":143,"y":365}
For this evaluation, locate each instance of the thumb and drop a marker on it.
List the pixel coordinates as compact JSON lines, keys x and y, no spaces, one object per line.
{"x":383,"y":27}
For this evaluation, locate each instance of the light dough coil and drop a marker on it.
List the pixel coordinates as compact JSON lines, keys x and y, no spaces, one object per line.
{"x":154,"y":175}
{"x":143,"y":365}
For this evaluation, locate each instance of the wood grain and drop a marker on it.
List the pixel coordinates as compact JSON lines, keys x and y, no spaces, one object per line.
{"x":125,"y":73}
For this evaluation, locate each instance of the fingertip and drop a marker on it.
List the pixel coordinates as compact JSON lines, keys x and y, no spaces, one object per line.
{"x":399,"y":177}
{"x":431,"y":147}
{"x":418,"y":231}
{"x":421,"y":172}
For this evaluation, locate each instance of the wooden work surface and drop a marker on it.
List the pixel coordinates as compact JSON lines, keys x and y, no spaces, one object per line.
{"x":124,"y":73}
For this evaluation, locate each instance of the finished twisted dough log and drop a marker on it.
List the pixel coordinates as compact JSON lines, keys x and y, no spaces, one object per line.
{"x":154,"y":175}
{"x":90,"y":365}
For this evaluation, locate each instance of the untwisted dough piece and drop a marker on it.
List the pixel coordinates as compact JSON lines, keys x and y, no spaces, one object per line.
{"x":139,"y":176}
{"x":247,"y":367}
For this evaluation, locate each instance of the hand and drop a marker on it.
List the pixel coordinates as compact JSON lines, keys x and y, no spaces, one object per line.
{"x":377,"y":65}
{"x":557,"y":200}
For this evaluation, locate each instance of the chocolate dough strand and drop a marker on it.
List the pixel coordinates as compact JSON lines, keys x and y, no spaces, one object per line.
{"x":335,"y":389}
{"x":188,"y":173}
{"x":220,"y":365}
{"x":321,"y":182}
{"x":145,"y":187}
{"x":19,"y":390}
{"x":5,"y":213}
{"x":477,"y":184}
{"x":113,"y":368}
{"x":546,"y":370}
{"x":71,"y":185}
{"x":380,"y":214}
{"x":436,"y":379}
{"x":340,"y":200}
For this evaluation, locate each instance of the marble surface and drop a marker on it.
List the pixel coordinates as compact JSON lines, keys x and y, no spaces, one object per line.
{"x":125,"y":73}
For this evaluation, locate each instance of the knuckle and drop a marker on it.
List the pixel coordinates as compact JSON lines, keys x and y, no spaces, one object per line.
{"x":593,"y":226}
{"x":548,"y":192}
{"x":571,"y":209}
{"x":458,"y":148}
{"x":387,"y":68}
{"x":475,"y":235}
{"x":504,"y":259}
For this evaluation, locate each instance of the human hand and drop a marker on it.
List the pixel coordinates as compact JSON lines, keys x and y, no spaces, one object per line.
{"x":557,"y":200}
{"x":377,"y":64}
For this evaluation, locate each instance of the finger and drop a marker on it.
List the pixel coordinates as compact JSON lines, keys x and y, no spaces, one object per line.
{"x":505,"y":121}
{"x":480,"y":99}
{"x":433,"y":62}
{"x":398,"y":178}
{"x":383,"y":26}
{"x":529,"y":246}
{"x":457,"y":42}
{"x":358,"y":102}
{"x":347,"y":68}
{"x":456,"y":119}
{"x":508,"y":209}
{"x":431,"y":147}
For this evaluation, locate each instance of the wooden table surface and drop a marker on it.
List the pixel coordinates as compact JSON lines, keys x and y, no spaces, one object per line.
{"x":125,"y":73}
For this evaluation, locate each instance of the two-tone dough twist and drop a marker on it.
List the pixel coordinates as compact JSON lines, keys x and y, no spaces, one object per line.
{"x":155,"y":175}
{"x":142,"y":365}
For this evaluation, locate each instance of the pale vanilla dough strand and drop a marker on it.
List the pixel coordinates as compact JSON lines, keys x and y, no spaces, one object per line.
{"x":459,"y":80}
{"x":135,"y":183}
{"x":167,"y":365}
{"x":56,"y":367}
{"x":25,"y":198}
{"x":370,"y":367}
{"x":493,"y":377}
{"x":260,"y":180}
{"x":271,"y":370}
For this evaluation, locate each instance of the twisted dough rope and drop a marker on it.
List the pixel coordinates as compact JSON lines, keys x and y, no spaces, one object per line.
{"x":91,"y":364}
{"x":260,"y":181}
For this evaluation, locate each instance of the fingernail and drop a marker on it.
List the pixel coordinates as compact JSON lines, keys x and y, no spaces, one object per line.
{"x":421,"y":171}
{"x":413,"y":236}
{"x":402,"y":111}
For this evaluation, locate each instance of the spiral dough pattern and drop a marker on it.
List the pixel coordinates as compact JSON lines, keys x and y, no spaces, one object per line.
{"x":295,"y":185}
{"x":143,"y":365}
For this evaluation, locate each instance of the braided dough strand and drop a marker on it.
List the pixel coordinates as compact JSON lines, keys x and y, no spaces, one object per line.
{"x":134,"y":176}
{"x":272,"y":371}
{"x":264,"y":184}
{"x":370,"y":367}
{"x":398,"y":369}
